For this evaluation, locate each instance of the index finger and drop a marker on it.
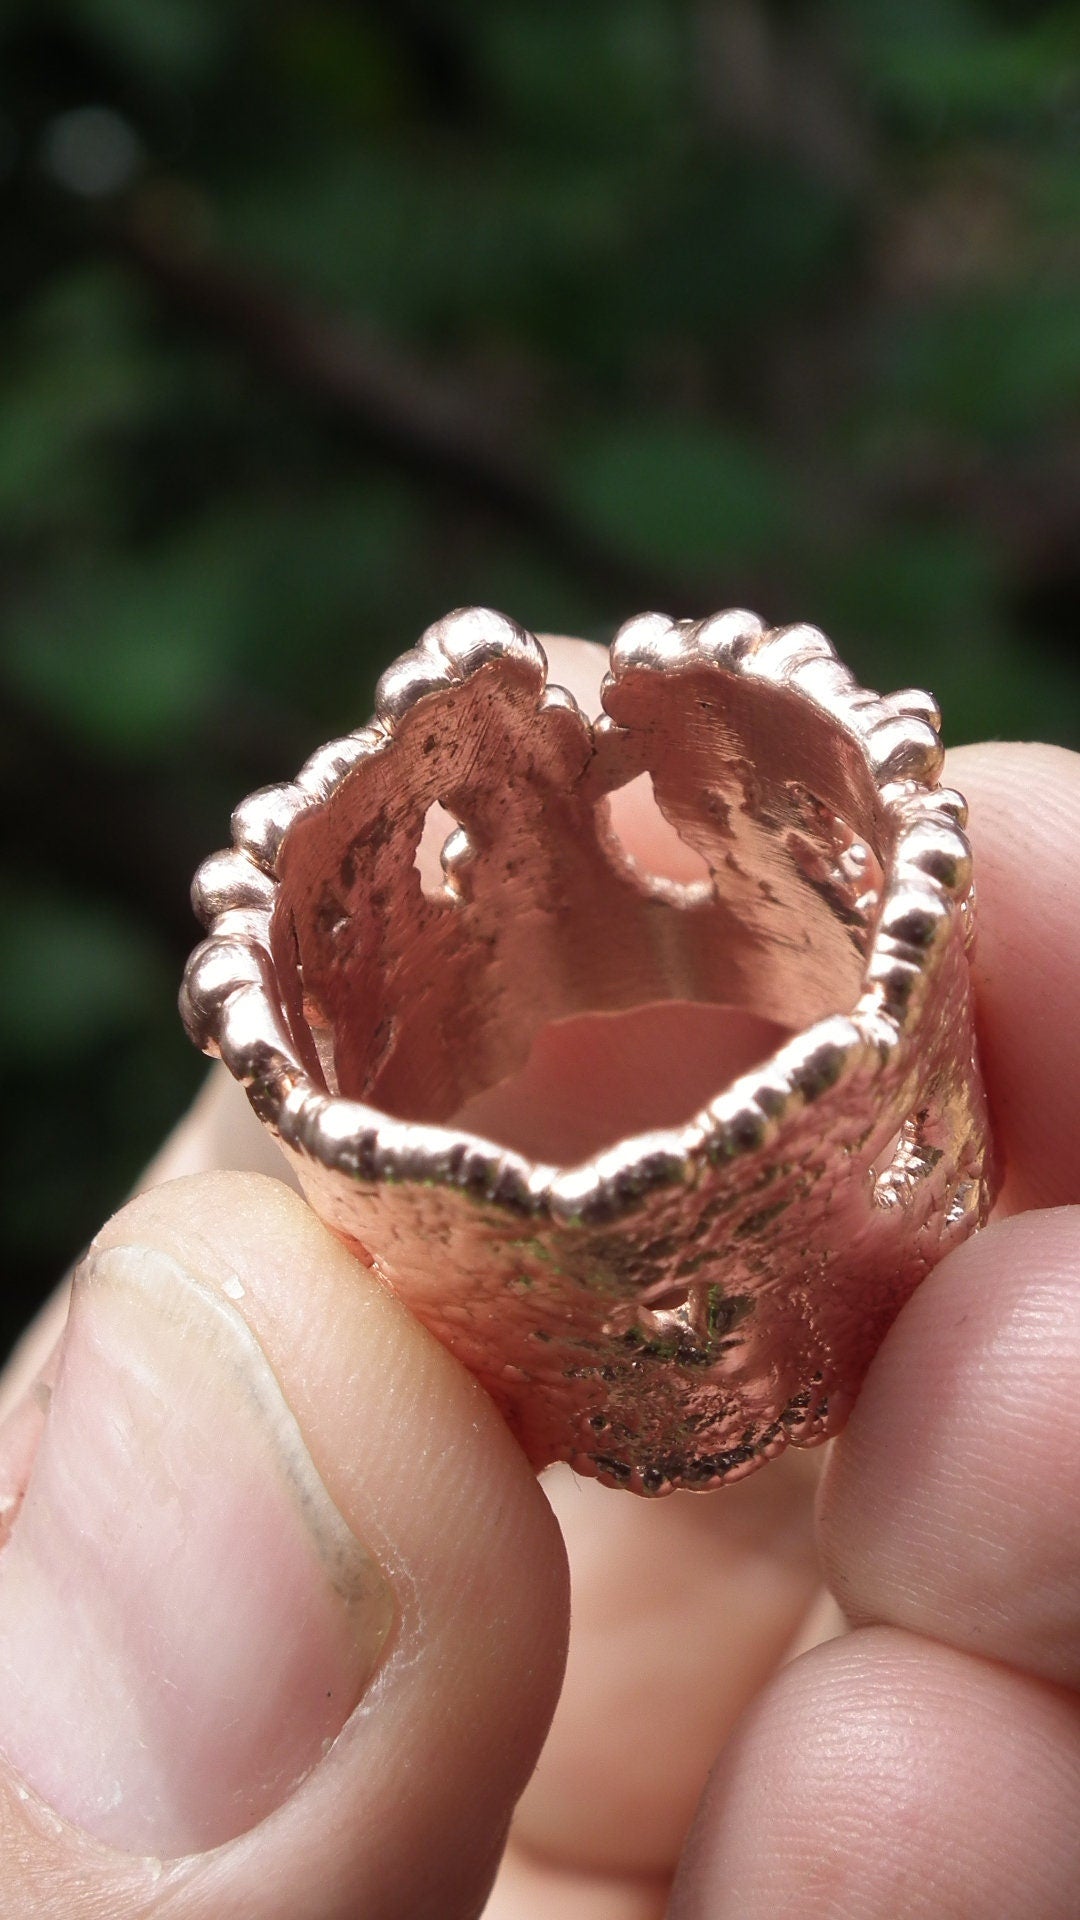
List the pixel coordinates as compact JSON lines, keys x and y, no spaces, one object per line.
{"x":1025,"y":832}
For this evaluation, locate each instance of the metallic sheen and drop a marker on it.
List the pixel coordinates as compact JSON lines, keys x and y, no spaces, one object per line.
{"x":675,"y":1309}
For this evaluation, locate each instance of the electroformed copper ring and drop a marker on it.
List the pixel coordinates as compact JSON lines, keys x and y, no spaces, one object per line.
{"x":672,"y":1309}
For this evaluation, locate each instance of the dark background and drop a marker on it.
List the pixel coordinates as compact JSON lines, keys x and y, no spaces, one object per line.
{"x":320,"y":319}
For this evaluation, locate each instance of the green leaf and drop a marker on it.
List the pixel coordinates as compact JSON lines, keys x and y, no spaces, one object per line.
{"x":1003,"y":363}
{"x":947,"y":66}
{"x":130,"y":652}
{"x":72,"y":973}
{"x":342,"y":62}
{"x":609,"y":74}
{"x":169,"y":41}
{"x":431,"y":236}
{"x":920,"y":605}
{"x":678,"y":493}
{"x":77,"y":375}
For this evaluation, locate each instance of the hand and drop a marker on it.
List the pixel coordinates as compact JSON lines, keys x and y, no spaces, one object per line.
{"x":255,"y":1513}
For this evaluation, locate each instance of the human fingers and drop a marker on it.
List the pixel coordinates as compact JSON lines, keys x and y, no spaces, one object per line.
{"x":682,"y":1610}
{"x":218,"y":1131}
{"x":930,"y":1765}
{"x":530,"y":1887}
{"x":282,"y":1610}
{"x":637,"y":1650}
{"x":885,"y":1777}
{"x":1004,"y":972}
{"x":1024,"y":826}
{"x":949,"y":1505}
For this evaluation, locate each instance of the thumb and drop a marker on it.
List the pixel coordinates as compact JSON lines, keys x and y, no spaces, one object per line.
{"x":282,"y":1608}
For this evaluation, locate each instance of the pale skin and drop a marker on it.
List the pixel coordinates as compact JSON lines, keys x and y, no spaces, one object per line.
{"x":849,"y":1687}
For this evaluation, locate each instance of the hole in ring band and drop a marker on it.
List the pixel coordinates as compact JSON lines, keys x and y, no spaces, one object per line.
{"x":637,"y":929}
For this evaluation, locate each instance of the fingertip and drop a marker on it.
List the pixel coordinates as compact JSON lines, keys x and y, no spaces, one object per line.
{"x":881,"y":1777}
{"x":948,"y":1503}
{"x":1024,"y":804}
{"x":316,"y":1450}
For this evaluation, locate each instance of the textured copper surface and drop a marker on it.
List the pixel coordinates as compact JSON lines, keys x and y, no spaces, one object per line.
{"x":674,"y":1309}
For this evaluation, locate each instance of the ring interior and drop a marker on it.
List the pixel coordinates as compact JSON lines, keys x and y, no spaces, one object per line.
{"x":418,"y":997}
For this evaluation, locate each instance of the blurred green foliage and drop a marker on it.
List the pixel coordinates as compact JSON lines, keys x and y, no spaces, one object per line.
{"x":318,"y":319}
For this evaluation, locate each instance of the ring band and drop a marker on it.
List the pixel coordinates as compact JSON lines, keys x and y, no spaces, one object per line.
{"x":673,"y":1309}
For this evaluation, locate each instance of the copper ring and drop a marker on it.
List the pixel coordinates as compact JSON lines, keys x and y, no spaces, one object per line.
{"x":674,"y":1308}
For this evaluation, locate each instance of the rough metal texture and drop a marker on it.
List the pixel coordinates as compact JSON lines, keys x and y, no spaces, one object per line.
{"x":675,"y":1309}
